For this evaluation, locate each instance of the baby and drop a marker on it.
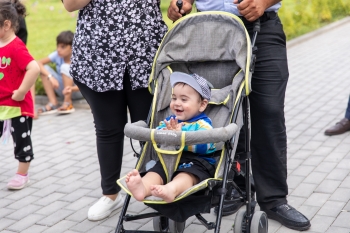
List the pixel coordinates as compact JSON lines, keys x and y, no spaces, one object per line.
{"x":190,"y":97}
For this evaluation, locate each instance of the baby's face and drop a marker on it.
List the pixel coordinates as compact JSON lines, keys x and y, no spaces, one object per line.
{"x":186,"y":102}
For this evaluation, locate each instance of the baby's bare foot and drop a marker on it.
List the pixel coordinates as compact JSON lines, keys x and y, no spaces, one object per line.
{"x":164,"y":192}
{"x":134,"y":182}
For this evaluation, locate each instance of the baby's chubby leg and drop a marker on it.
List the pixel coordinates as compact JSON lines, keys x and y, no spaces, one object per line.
{"x":140,"y":187}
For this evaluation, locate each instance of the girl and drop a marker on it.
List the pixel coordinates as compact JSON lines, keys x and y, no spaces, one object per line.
{"x":18,"y":72}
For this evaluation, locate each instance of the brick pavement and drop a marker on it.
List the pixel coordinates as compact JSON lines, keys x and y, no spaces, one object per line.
{"x":65,"y":173}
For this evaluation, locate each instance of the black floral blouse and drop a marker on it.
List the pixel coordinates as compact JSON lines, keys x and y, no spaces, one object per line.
{"x":112,"y":36}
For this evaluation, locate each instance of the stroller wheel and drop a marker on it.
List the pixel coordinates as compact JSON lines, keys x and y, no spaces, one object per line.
{"x":161,"y":224}
{"x":240,"y":222}
{"x":259,"y":223}
{"x":176,"y":227}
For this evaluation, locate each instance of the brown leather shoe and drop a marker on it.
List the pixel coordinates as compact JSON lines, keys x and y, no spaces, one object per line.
{"x":339,"y":128}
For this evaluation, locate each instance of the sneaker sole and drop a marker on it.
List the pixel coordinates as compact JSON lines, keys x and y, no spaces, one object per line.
{"x":17,"y":188}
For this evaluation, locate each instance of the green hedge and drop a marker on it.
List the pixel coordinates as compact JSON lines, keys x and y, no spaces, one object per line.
{"x":303,"y":16}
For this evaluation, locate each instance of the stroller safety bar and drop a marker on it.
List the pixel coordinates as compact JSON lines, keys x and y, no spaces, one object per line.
{"x":140,"y":131}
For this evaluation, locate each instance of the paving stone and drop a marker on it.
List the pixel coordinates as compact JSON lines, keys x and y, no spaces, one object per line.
{"x":4,"y":212}
{"x":317,"y":199}
{"x":331,"y":208}
{"x":54,"y":218}
{"x":337,"y":230}
{"x":328,"y":186}
{"x":52,"y":208}
{"x":49,"y":199}
{"x":342,"y":220}
{"x":101,"y":229}
{"x":62,"y":226}
{"x":23,"y":212}
{"x":35,"y":229}
{"x":304,"y":190}
{"x":319,"y":223}
{"x":315,"y":177}
{"x":341,"y":194}
{"x":338,"y":174}
{"x":303,"y":170}
{"x":4,"y":222}
{"x":80,"y":203}
{"x":25,"y":222}
{"x":77,"y":194}
{"x":22,"y":202}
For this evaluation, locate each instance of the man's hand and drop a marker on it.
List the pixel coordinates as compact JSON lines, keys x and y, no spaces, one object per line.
{"x":173,"y":124}
{"x":173,"y":10}
{"x":18,"y":95}
{"x":251,"y":9}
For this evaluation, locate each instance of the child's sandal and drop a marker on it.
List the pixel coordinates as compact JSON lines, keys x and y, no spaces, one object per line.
{"x":47,"y":109}
{"x":66,"y":108}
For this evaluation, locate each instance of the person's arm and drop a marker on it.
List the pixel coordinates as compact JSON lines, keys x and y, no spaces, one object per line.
{"x":253,"y":9}
{"x":45,"y":73}
{"x":173,"y":10}
{"x":28,"y":81}
{"x":73,"y":5}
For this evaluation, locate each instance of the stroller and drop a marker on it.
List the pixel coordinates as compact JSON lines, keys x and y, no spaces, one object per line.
{"x":216,"y":46}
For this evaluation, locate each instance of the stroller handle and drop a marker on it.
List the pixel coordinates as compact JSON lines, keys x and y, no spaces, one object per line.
{"x":140,"y":131}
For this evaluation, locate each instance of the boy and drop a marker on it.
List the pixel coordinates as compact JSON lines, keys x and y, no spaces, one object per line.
{"x":59,"y":81}
{"x":190,"y":97}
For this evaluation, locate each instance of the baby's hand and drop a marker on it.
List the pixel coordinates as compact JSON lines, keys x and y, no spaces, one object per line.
{"x":17,"y":95}
{"x":173,"y":124}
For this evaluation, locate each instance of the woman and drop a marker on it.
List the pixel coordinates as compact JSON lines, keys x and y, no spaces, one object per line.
{"x":113,"y":50}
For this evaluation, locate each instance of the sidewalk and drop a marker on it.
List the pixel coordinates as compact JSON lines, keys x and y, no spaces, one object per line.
{"x":65,"y":178}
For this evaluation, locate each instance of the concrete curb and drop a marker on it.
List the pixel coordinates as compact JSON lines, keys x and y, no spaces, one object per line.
{"x":43,"y":100}
{"x":317,"y":32}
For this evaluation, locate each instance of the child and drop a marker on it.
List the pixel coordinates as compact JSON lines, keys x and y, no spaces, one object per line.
{"x":59,"y":81}
{"x":190,"y":97}
{"x":18,"y":72}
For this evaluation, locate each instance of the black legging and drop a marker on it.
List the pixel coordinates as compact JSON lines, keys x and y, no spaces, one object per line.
{"x":109,"y":110}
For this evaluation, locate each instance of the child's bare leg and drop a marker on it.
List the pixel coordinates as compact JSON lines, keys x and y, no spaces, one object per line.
{"x":140,"y":187}
{"x":180,"y":183}
{"x":23,"y":168}
{"x":67,"y":82}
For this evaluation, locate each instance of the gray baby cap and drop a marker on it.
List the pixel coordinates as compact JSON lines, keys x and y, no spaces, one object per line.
{"x":200,"y":84}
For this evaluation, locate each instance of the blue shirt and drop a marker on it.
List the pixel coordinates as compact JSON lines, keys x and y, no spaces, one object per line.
{"x":57,"y":60}
{"x":226,"y":5}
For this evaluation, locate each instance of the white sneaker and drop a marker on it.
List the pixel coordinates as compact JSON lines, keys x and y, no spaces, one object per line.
{"x":104,"y":207}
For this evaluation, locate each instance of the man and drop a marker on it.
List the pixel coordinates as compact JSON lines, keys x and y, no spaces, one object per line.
{"x":269,"y":82}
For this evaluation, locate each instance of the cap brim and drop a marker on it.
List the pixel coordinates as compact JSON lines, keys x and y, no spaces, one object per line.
{"x":179,"y":77}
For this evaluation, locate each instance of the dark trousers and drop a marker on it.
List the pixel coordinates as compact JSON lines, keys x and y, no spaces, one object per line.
{"x":109,"y":110}
{"x":21,"y":136}
{"x":268,"y":131}
{"x":347,"y":112}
